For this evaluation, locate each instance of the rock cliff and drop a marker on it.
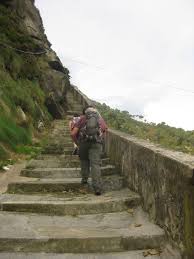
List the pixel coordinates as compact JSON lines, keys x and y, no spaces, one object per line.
{"x":23,"y":30}
{"x":33,"y":81}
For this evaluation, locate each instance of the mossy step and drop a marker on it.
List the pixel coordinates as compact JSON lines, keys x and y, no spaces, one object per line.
{"x":63,"y":172}
{"x":36,"y":185}
{"x":56,"y":162}
{"x":111,"y":232}
{"x":70,"y":203}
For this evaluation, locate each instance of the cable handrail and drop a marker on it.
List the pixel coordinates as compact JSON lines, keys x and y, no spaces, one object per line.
{"x":22,"y":51}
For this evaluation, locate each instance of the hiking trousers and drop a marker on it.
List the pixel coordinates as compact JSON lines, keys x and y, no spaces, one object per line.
{"x":90,"y":157}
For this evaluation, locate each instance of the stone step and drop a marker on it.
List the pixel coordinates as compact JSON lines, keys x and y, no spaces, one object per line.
{"x":137,"y":254}
{"x":57,"y":150}
{"x":47,"y":157}
{"x":73,"y":112}
{"x":70,"y":203}
{"x":65,"y":133}
{"x":71,"y":99}
{"x":111,"y":232}
{"x":66,"y":139}
{"x":60,"y":134}
{"x":56,"y":162}
{"x":60,"y":143}
{"x":70,"y":96}
{"x":60,"y":131}
{"x":36,"y":185}
{"x":73,"y":103}
{"x":63,"y":172}
{"x":62,"y":123}
{"x":68,"y":117}
{"x":76,"y":107}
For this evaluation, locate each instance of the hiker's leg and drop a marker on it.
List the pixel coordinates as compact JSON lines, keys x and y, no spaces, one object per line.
{"x":85,"y":170}
{"x":75,"y":150}
{"x":84,"y":160}
{"x":95,"y":163}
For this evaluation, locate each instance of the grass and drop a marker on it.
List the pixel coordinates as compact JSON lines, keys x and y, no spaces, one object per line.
{"x":24,"y":93}
{"x":21,"y":82}
{"x":30,"y":150}
{"x":11,"y":134}
{"x":3,"y":153}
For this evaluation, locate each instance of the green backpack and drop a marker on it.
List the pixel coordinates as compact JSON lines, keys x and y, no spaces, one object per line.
{"x":91,"y":131}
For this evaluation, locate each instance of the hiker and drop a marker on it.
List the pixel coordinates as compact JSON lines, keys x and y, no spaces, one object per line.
{"x":88,"y":134}
{"x":72,"y":123}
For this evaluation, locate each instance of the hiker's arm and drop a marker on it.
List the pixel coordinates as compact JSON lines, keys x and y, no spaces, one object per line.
{"x":70,"y":125}
{"x":74,"y":134}
{"x":103,"y":125}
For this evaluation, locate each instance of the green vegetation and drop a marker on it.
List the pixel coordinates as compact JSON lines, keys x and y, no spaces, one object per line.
{"x":13,"y":31}
{"x":20,"y":77}
{"x":25,"y":80}
{"x":3,"y":153}
{"x":169,"y":137}
{"x":23,"y":93}
{"x":11,"y":134}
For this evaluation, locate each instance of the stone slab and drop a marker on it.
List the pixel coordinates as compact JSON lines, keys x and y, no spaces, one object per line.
{"x":63,"y":172}
{"x":58,"y":162}
{"x":113,"y":182}
{"x":70,"y":203}
{"x":53,"y":151}
{"x":56,"y":157}
{"x":87,"y":233}
{"x":121,"y":255}
{"x":73,"y":112}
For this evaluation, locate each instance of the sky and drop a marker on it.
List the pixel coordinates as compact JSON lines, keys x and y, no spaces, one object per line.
{"x":134,"y":55}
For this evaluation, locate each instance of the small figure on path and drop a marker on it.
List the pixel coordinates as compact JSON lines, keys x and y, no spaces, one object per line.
{"x":72,"y":122}
{"x":88,"y":133}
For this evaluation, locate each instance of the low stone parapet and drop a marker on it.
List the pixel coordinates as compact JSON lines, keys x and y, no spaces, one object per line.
{"x":164,"y":179}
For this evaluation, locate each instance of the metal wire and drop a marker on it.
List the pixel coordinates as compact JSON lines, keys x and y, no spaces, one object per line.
{"x":22,"y":51}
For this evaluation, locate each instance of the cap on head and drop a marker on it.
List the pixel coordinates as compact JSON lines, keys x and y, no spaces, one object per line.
{"x":76,"y":115}
{"x":87,"y":107}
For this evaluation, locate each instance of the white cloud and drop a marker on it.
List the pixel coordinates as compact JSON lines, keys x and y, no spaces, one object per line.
{"x":171,"y":110}
{"x":128,"y":53}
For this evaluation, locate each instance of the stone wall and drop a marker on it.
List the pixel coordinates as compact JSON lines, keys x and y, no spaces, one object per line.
{"x":81,"y":97}
{"x":164,"y":180}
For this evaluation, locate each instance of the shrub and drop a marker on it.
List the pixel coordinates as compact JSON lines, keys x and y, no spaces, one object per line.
{"x":166,"y":136}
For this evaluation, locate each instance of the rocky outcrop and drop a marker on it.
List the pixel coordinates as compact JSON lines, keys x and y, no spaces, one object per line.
{"x":53,"y":77}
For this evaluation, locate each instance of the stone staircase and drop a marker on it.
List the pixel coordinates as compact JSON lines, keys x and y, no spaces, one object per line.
{"x":74,"y":106}
{"x":47,"y":213}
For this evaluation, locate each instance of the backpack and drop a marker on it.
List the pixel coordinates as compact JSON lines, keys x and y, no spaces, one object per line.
{"x":91,"y":132}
